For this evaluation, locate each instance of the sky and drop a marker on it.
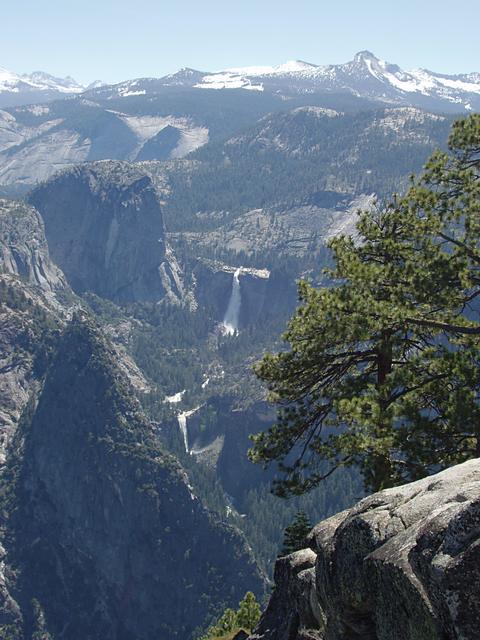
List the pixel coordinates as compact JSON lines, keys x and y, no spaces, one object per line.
{"x":114,"y":40}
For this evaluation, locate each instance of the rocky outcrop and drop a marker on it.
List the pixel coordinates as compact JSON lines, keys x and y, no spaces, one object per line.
{"x":219,"y":435}
{"x":105,"y":230}
{"x":29,"y":319}
{"x":31,"y":287}
{"x":403,"y":564}
{"x":103,"y":537}
{"x":23,"y":247}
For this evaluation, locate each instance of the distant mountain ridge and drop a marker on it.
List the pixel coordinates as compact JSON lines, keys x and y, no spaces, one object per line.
{"x":17,"y":89}
{"x":366,"y":76}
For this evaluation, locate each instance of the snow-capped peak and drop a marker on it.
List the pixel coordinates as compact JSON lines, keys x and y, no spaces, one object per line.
{"x":364,"y":55}
{"x":7,"y":76}
{"x":27,"y":87}
{"x":365,"y":76}
{"x":295,"y":66}
{"x":40,"y":79}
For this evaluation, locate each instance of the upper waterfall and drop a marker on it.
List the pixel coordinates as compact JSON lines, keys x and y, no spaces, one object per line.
{"x":231,"y":318}
{"x":182,"y":423}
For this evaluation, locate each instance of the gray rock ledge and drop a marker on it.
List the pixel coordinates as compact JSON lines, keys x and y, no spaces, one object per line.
{"x":402,"y":564}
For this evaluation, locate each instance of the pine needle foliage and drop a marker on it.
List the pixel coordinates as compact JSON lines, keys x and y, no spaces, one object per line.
{"x":382,"y":366}
{"x":246,"y":617}
{"x":295,"y":534}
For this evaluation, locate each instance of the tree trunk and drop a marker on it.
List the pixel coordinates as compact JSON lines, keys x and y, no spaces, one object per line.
{"x":382,"y":471}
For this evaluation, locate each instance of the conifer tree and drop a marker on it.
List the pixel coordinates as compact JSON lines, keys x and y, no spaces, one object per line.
{"x":383,"y":366}
{"x":295,"y":534}
{"x":228,"y":622}
{"x":248,"y":613}
{"x":246,"y":617}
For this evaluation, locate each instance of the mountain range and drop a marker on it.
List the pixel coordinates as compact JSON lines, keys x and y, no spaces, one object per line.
{"x":151,"y":259}
{"x":16,"y":89}
{"x":366,"y":76}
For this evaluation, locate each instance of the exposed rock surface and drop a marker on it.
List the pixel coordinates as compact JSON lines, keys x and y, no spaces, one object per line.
{"x":27,"y":316}
{"x":38,"y":140}
{"x":105,"y":230}
{"x":262,"y":293}
{"x":23,"y":247}
{"x":219,"y":435}
{"x":31,"y":287}
{"x":102,"y":535}
{"x":403,"y":564}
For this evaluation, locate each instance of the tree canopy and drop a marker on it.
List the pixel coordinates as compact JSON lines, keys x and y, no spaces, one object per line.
{"x":382,"y":365}
{"x":246,"y":617}
{"x":295,"y":533}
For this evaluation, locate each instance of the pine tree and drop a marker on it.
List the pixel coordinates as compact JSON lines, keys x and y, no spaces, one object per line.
{"x":226,"y":623}
{"x":295,"y":534}
{"x":383,"y":367}
{"x":248,"y":613}
{"x":246,"y":617}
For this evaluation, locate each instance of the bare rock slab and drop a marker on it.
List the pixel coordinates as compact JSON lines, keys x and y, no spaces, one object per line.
{"x":402,"y":564}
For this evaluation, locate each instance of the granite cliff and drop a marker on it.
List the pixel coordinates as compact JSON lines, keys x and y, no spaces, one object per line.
{"x":263,"y":293}
{"x":103,"y":536}
{"x":105,"y":229}
{"x":23,"y":247}
{"x":402,"y":564}
{"x":31,"y":287}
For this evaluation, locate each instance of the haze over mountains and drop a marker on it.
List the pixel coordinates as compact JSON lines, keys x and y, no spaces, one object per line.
{"x":62,"y":123}
{"x":365,"y":76}
{"x":151,"y":258}
{"x":38,"y":86}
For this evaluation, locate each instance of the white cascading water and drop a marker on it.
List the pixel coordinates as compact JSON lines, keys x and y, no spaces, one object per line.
{"x":230,"y":321}
{"x":182,"y":423}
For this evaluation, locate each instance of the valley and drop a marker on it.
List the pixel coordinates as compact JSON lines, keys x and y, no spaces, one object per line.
{"x":152,"y":236}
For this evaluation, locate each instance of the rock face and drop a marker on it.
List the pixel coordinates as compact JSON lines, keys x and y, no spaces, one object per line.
{"x":403,"y":564}
{"x":263,"y":293}
{"x":102,"y":536}
{"x":26,"y":317}
{"x":30,"y":289}
{"x":23,"y":247}
{"x":105,"y":230}
{"x":219,"y":435}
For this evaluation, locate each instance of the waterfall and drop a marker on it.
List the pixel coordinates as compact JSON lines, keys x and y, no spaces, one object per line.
{"x":182,"y":423}
{"x":230,"y":321}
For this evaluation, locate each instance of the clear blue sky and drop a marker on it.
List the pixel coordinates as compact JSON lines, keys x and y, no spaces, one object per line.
{"x":114,"y":40}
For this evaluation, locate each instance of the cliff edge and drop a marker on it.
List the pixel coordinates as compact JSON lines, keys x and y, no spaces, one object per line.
{"x":402,"y":564}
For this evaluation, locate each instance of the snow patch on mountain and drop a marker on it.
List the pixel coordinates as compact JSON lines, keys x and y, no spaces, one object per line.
{"x":39,"y":81}
{"x":126,"y":94}
{"x":364,"y":76}
{"x":228,"y":80}
{"x":37,"y":109}
{"x":292,"y":66}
